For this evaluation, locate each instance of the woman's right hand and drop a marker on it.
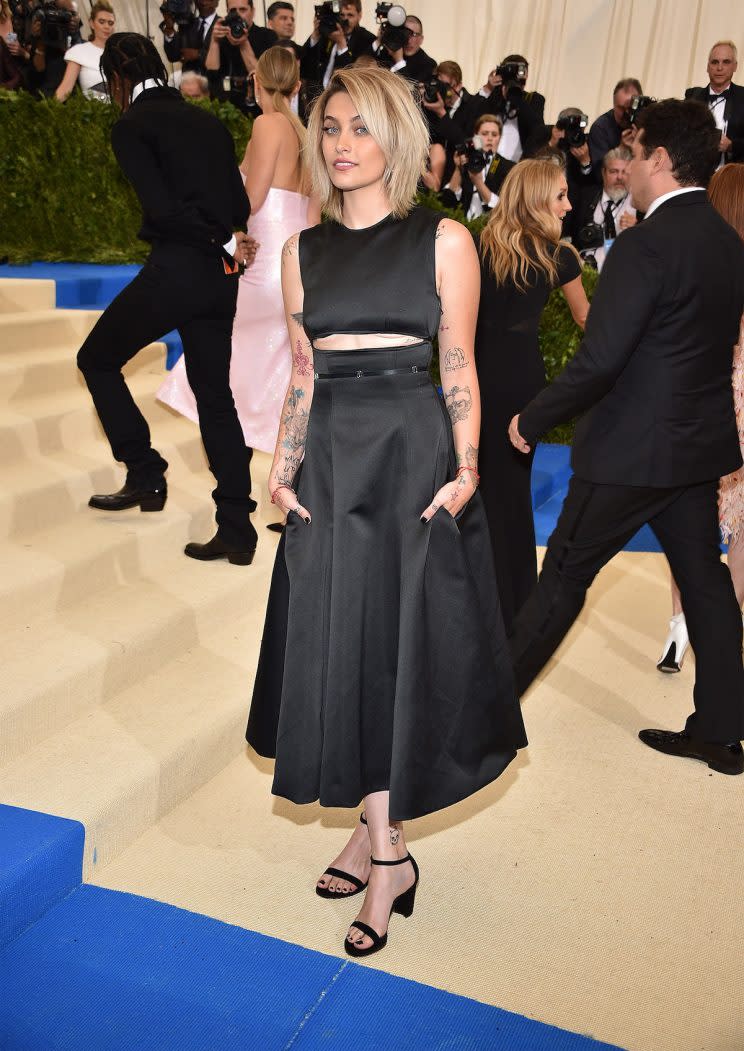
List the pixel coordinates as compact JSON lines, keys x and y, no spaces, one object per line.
{"x":286,"y":499}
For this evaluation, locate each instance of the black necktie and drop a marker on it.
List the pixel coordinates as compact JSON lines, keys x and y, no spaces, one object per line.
{"x":609,"y":223}
{"x":202,"y":29}
{"x":712,"y":97}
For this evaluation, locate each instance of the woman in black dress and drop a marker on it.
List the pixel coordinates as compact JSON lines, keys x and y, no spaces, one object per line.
{"x":383,"y":673}
{"x":522,"y":261}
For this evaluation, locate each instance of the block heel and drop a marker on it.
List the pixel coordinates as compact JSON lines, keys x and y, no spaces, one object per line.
{"x":403,"y":905}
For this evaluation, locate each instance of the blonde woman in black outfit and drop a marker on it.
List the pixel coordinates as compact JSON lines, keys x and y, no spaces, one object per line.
{"x":522,"y":261}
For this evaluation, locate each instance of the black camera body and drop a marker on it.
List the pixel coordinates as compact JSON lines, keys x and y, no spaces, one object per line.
{"x":638,"y":103}
{"x":588,"y":240}
{"x":329,"y":18}
{"x":513,"y":78}
{"x":55,"y":23}
{"x":434,"y":88}
{"x":473,"y":150}
{"x":574,"y":128}
{"x":181,"y":11}
{"x":235,"y":23}
{"x":513,"y":71}
{"x":394,"y":33}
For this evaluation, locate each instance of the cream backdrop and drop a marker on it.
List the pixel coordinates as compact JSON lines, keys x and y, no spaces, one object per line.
{"x":577,"y":49}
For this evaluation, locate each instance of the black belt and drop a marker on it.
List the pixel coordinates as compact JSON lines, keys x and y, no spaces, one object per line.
{"x":359,"y":373}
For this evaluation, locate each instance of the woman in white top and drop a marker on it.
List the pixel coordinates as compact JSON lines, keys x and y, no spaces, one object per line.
{"x":84,"y":60}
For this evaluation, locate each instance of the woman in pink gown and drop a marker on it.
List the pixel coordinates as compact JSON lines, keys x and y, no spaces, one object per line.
{"x":281,"y":205}
{"x":726,"y":192}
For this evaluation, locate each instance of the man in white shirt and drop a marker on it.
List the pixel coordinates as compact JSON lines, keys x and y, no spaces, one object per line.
{"x":612,"y":207}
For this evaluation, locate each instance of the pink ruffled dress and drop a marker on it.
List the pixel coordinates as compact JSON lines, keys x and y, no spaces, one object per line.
{"x":261,"y":356}
{"x":731,"y":490}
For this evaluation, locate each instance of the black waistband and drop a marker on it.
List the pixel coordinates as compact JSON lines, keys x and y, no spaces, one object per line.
{"x":360,"y":373}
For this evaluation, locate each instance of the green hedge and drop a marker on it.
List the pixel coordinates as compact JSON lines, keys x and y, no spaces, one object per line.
{"x":65,"y":199}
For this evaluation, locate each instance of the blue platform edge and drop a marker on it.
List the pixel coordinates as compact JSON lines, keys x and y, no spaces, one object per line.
{"x":86,"y":967}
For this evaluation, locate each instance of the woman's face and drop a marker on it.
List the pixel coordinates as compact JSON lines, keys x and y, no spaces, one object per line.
{"x":352,"y":156}
{"x":103,"y":25}
{"x":559,"y":202}
{"x":490,"y":134}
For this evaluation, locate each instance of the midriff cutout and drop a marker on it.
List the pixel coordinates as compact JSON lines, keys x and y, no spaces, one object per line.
{"x":365,"y":341}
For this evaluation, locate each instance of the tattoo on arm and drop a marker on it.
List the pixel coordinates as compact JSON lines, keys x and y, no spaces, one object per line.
{"x":289,"y":247}
{"x":440,"y":230}
{"x":459,"y":402}
{"x":455,"y":359}
{"x":302,"y":363}
{"x":298,"y":318}
{"x":469,"y":458}
{"x":286,"y":469}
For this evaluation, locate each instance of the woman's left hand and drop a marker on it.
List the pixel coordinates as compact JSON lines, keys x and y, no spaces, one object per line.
{"x":452,"y":497}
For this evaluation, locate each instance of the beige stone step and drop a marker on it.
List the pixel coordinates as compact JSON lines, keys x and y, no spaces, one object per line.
{"x":37,"y":372}
{"x":29,"y":330}
{"x":121,"y":766}
{"x":56,"y":671}
{"x":26,"y":294}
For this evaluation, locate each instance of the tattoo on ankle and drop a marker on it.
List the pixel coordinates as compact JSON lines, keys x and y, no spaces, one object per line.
{"x":394,"y":836}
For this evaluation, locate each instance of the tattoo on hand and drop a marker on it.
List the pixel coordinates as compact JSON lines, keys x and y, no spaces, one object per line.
{"x":459,"y":402}
{"x":455,"y":359}
{"x":302,"y":361}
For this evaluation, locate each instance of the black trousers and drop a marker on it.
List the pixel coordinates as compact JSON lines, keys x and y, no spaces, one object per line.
{"x":596,"y":522}
{"x":178,"y":287}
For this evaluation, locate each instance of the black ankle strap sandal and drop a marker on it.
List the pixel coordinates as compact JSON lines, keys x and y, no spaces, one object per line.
{"x":403,"y":905}
{"x":359,"y":885}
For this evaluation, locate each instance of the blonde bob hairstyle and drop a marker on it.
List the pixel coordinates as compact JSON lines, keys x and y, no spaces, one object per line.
{"x":522,"y":233}
{"x":387,"y":105}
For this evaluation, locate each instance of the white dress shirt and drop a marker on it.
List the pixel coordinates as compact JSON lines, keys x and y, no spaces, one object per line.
{"x":618,"y":210}
{"x":510,"y":146}
{"x":335,"y":50}
{"x":717,"y":107}
{"x":668,"y":196}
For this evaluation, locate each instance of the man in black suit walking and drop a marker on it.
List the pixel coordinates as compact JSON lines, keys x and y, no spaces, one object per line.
{"x":653,"y":380}
{"x":724,"y":99}
{"x":181,"y":163}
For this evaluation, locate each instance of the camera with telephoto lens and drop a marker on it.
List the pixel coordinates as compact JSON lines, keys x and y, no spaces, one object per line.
{"x":638,"y":103}
{"x":513,"y":79}
{"x":394,"y":33}
{"x":54,"y":23}
{"x":473,"y":150}
{"x":235,"y":23}
{"x":588,"y":240}
{"x":329,"y":18}
{"x":181,"y":11}
{"x":434,"y":88}
{"x":574,"y":128}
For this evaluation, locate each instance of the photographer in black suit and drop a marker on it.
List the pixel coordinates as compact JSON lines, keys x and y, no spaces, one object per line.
{"x":326,"y":51}
{"x":725,"y":100}
{"x":235,"y":46}
{"x":187,"y":43}
{"x":652,"y":379}
{"x":613,"y":128}
{"x":521,"y":111}
{"x":453,"y":114}
{"x":479,"y":171}
{"x":181,"y":162}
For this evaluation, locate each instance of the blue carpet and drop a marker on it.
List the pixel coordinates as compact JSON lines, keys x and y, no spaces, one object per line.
{"x":108,"y":971}
{"x":41,"y":861}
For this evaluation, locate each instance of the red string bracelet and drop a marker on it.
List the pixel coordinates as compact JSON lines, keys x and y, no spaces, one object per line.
{"x":466,"y":468}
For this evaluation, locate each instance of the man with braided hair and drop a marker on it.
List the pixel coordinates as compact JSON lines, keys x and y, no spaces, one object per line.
{"x":181,"y":162}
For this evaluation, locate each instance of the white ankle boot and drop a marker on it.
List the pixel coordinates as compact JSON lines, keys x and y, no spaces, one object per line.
{"x":675,"y":646}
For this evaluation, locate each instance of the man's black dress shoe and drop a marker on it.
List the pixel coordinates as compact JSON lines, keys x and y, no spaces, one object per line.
{"x":725,"y":758}
{"x":217,"y":548}
{"x":276,"y":527}
{"x":132,"y":496}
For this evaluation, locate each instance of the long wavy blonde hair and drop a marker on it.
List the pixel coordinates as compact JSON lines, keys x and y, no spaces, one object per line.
{"x":522,"y":233}
{"x":278,"y":72}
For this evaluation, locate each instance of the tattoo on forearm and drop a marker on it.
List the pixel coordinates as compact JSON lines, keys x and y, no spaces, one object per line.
{"x":469,"y":458}
{"x":459,"y":402}
{"x":302,"y":363}
{"x":298,"y":318}
{"x":286,"y":469}
{"x":455,"y":359}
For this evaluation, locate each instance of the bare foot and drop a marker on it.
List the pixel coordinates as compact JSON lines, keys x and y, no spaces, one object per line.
{"x":386,"y":882}
{"x":354,"y":859}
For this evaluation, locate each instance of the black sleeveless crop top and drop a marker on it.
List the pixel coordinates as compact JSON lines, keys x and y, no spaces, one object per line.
{"x":378,"y":279}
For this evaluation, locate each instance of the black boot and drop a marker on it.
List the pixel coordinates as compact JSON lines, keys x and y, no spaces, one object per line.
{"x":132,"y":496}
{"x":217,"y":548}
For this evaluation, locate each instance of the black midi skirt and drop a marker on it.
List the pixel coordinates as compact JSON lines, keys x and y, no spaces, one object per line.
{"x":383,"y":663}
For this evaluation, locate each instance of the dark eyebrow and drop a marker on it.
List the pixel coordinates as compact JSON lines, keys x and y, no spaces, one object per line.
{"x":336,"y":121}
